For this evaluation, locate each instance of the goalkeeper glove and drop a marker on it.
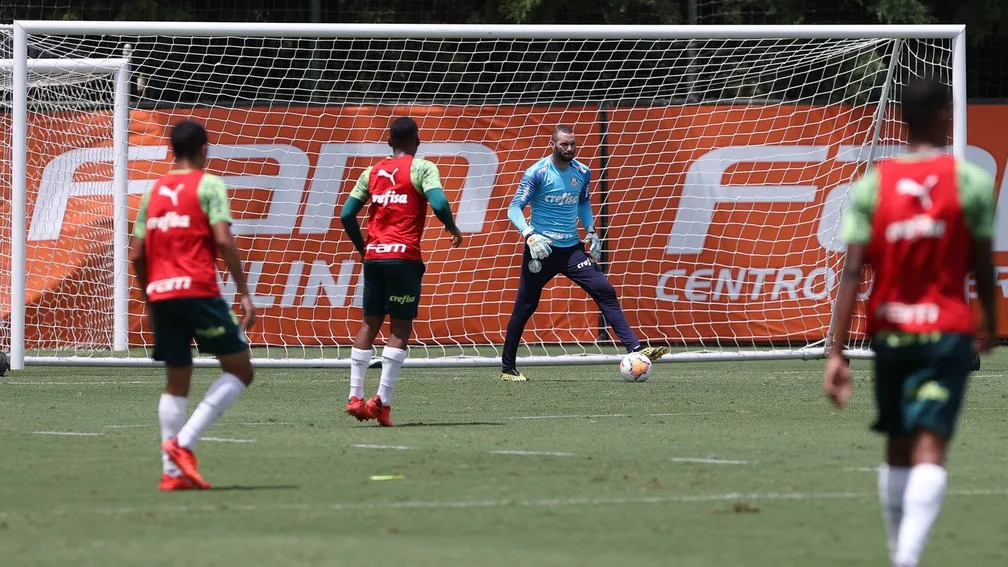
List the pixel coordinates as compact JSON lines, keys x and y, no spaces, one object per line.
{"x":539,"y":245}
{"x":594,"y":245}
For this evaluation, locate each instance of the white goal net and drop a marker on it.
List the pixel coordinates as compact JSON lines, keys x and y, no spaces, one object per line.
{"x":720,"y":161}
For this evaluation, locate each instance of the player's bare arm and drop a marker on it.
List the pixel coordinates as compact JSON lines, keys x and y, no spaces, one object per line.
{"x":228,"y":251}
{"x":983,"y":266}
{"x":137,"y":248}
{"x":138,"y":258}
{"x":837,"y":380}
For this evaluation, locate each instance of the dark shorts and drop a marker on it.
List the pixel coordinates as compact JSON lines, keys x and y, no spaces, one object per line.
{"x":208,"y":320}
{"x":392,"y":287}
{"x":920,"y":382}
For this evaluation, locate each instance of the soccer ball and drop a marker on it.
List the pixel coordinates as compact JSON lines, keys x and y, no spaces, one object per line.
{"x":635,"y":367}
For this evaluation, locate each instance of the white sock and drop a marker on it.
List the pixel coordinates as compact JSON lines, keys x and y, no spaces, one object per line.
{"x":221,"y":395}
{"x":392,"y":361}
{"x":359,"y":360}
{"x":891,"y":486}
{"x":171,"y":414}
{"x":921,"y":502}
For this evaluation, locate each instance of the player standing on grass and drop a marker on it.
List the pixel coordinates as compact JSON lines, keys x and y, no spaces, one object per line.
{"x":399,"y":187}
{"x":923,"y":221}
{"x":183,"y":224}
{"x":556,"y":187}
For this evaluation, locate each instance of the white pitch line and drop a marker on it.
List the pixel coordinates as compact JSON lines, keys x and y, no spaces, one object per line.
{"x":533,"y":453}
{"x":84,"y":382}
{"x":226,"y":440}
{"x":600,"y":415}
{"x":249,"y":424}
{"x":391,"y":447}
{"x":707,"y":461}
{"x":69,"y":433}
{"x":463,"y":504}
{"x":861,"y":469}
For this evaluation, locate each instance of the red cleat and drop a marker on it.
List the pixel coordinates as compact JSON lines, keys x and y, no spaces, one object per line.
{"x":172,"y":483}
{"x":186,"y":462}
{"x":377,"y":411}
{"x":356,"y":407}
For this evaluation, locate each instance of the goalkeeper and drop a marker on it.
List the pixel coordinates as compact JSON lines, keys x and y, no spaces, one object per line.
{"x":556,"y":187}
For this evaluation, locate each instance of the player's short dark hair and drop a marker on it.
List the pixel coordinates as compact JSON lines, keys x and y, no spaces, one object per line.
{"x":923,"y":100}
{"x":561,"y":129}
{"x":403,"y":131}
{"x":187,"y":139}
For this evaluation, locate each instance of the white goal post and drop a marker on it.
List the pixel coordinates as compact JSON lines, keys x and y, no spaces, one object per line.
{"x":720,"y":158}
{"x":24,"y":72}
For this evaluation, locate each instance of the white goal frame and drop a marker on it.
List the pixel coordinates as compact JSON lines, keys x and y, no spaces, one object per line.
{"x":20,"y":66}
{"x":120,"y":68}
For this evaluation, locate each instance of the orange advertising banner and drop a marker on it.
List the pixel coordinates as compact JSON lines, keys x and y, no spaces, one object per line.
{"x":289,"y":171}
{"x":722,"y":219}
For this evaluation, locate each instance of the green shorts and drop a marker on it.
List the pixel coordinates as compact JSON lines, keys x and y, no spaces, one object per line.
{"x":392,"y":287}
{"x":920,"y":382}
{"x":209,"y":320}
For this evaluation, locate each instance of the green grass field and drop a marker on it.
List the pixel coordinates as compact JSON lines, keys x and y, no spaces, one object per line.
{"x":573,"y":468}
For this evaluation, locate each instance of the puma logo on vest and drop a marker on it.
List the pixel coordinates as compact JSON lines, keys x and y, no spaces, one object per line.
{"x":171,"y":194}
{"x":911,"y":188}
{"x":390,"y":176}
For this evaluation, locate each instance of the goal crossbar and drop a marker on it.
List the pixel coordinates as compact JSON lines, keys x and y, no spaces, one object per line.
{"x":489,"y":31}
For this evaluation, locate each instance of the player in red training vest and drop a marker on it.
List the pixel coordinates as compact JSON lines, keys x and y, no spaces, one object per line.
{"x":399,"y":187}
{"x":923,"y":221}
{"x":183,"y":224}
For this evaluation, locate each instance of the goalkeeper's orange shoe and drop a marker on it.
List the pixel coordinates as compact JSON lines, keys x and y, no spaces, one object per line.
{"x":172,"y":483}
{"x":356,"y":407}
{"x":379,"y":412}
{"x":185,"y":461}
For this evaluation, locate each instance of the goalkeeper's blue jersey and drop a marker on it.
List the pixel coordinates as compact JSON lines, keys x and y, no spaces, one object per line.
{"x":557,"y":198}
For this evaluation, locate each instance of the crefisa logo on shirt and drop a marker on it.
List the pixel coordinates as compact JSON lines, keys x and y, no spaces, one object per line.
{"x":170,"y":220}
{"x":563,"y":199}
{"x":391,"y":198}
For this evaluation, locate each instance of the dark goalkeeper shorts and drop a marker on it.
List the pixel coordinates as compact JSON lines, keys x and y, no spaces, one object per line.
{"x":392,"y":287}
{"x":208,"y":320}
{"x":920,"y":381}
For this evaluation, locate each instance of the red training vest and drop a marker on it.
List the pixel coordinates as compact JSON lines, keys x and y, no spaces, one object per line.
{"x":181,"y":251}
{"x":920,"y":249}
{"x":397,"y":214}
